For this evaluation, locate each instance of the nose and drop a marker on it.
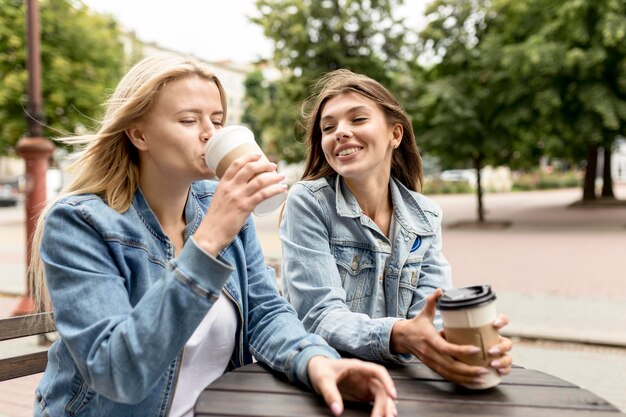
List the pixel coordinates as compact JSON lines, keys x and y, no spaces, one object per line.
{"x":342,"y":131}
{"x":207,"y":132}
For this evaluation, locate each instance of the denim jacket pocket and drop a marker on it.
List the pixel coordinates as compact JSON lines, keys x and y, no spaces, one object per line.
{"x":81,"y":396}
{"x":409,"y":279}
{"x":357,"y":268}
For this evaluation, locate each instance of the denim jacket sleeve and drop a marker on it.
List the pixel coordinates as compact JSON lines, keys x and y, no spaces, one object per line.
{"x":121,"y":350}
{"x":276,"y":336}
{"x":435,"y":273}
{"x":313,"y":284}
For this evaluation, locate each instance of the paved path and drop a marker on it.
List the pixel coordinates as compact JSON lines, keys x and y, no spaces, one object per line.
{"x":558,"y":272}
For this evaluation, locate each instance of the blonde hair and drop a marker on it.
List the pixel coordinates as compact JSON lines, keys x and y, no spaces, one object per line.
{"x":406,"y":163}
{"x":108,"y":164}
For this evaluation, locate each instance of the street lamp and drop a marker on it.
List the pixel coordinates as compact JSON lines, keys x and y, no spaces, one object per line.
{"x":34,"y":148}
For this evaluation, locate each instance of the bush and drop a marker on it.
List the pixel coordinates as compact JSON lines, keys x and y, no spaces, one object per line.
{"x":437,"y":186}
{"x":546,"y":181}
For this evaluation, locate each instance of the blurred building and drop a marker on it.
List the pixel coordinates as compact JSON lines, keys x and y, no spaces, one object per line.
{"x":231,"y":74}
{"x":618,"y":160}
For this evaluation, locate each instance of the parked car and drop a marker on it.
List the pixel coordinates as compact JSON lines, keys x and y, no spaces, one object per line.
{"x":9,"y":192}
{"x":468,"y":175}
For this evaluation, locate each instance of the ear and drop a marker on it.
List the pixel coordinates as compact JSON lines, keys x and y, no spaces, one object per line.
{"x":135,"y":134}
{"x":397,"y":133}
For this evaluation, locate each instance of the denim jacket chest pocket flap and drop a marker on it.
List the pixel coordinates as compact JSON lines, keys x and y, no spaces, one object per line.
{"x":357,"y":269}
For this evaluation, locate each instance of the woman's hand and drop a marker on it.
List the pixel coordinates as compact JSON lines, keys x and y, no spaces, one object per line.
{"x":501,"y":359}
{"x":248,"y":181}
{"x":354,"y":380}
{"x":419,"y":337}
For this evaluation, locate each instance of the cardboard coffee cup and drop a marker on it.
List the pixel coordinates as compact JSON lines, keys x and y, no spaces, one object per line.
{"x":228,"y":144}
{"x":468,"y":314}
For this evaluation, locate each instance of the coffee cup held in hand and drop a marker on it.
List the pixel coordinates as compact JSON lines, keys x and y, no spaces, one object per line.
{"x":468,"y":314}
{"x":228,"y":144}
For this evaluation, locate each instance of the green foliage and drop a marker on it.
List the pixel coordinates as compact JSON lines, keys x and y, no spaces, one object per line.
{"x":81,"y":58}
{"x":546,"y":181}
{"x":437,"y":186}
{"x":314,"y":37}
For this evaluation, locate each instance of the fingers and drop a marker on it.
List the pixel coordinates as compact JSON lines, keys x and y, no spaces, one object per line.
{"x":431,"y":304}
{"x":379,"y":373}
{"x":502,"y":361}
{"x":501,"y":321}
{"x":327,"y":388}
{"x":383,"y":403}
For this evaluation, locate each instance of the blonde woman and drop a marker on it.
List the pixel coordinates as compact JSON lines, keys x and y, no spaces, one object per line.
{"x":156,"y":276}
{"x":363,"y":263}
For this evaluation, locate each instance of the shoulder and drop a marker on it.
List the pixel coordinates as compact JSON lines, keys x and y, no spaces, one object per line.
{"x":314,"y":186}
{"x":319,"y":190}
{"x":87,"y":205}
{"x":426,"y":204}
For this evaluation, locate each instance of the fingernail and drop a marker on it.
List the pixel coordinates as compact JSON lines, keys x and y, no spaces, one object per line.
{"x":497,"y":322}
{"x":494,"y":350}
{"x":478,"y":381}
{"x":274,"y":165}
{"x":474,"y":349}
{"x":285,"y":186}
{"x":394,"y":393}
{"x":335,"y":408}
{"x":483,"y":371}
{"x":495,"y":364}
{"x":503,"y":371}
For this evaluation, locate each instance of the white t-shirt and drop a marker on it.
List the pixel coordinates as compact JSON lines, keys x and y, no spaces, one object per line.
{"x":205,"y":356}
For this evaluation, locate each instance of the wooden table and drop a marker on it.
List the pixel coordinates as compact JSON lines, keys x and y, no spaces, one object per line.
{"x":254,"y":391}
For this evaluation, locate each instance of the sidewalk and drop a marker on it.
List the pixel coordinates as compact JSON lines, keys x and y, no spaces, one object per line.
{"x":558,"y":273}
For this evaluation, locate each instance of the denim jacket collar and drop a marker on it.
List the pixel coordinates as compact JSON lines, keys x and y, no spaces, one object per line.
{"x":405,"y":206}
{"x":193,"y":214}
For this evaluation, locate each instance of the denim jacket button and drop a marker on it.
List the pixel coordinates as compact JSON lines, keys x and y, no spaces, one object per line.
{"x":413,"y":278}
{"x":355,"y":263}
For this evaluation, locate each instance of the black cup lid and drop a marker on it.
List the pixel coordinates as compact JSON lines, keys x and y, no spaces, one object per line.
{"x":466,"y":297}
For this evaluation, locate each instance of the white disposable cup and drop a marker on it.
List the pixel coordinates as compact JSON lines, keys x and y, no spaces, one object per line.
{"x":228,"y":144}
{"x":468,"y":314}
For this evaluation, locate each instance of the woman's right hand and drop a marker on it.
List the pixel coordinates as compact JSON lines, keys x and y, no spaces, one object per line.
{"x":249,"y":180}
{"x":419,"y":337}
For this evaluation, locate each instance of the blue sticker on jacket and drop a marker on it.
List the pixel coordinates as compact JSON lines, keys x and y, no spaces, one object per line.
{"x":416,"y":244}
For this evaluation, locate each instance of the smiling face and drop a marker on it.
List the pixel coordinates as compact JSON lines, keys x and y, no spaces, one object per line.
{"x":171,"y":138}
{"x":357,"y":140}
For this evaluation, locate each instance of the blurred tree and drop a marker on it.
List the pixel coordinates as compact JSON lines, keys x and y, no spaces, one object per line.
{"x":510,"y":81}
{"x":462,"y":108}
{"x":572,"y":57}
{"x":311,"y":38}
{"x":81,"y":57}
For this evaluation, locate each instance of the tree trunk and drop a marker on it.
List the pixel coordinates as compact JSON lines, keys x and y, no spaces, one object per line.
{"x":589,"y":187}
{"x":479,"y":189}
{"x":607,"y":179}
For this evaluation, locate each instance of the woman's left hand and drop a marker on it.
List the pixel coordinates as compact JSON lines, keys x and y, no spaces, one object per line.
{"x":353,"y":380}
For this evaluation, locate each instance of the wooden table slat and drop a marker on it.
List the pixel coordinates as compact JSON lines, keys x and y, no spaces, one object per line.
{"x":221,"y":403}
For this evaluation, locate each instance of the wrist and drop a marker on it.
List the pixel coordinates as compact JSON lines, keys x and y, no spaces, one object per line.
{"x":398,"y":337}
{"x":209,"y":243}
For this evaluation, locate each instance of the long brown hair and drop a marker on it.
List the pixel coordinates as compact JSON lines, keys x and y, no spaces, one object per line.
{"x":406,"y":163}
{"x":108,"y":165}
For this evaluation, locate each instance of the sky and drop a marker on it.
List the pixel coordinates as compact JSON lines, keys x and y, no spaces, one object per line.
{"x":214,"y":30}
{"x":211,"y":29}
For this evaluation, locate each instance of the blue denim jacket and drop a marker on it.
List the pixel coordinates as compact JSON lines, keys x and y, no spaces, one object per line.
{"x":125,"y":307}
{"x":333,"y":257}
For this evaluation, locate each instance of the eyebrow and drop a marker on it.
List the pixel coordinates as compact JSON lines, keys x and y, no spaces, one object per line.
{"x":198,"y":111}
{"x":351,"y":110}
